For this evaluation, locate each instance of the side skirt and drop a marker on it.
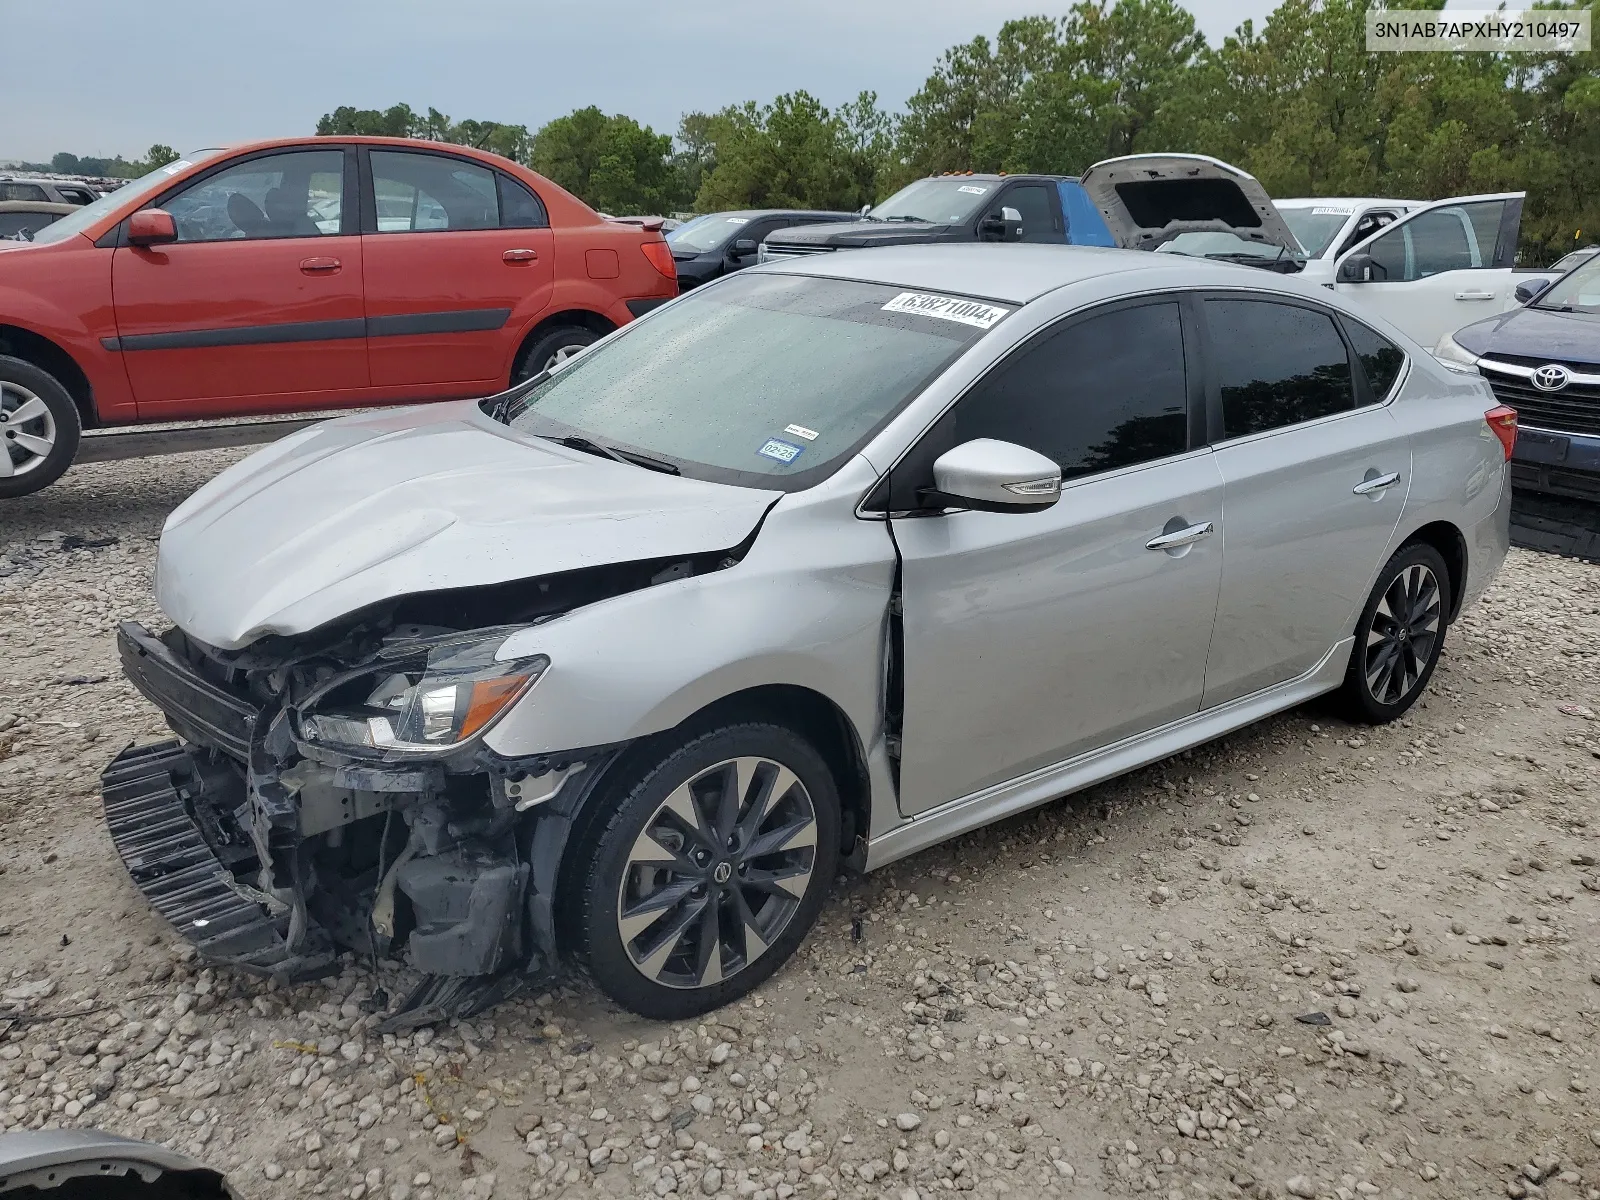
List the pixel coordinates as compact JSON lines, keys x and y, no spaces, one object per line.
{"x":1096,"y":766}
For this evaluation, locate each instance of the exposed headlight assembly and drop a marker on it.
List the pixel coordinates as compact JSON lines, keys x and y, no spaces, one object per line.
{"x":432,"y":708}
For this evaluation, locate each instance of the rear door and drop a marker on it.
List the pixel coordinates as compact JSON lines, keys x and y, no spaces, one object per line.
{"x":258,"y":304}
{"x":1440,"y":267}
{"x":452,"y":247}
{"x":1315,"y":471}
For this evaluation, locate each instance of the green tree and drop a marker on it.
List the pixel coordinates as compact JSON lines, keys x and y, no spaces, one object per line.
{"x":612,"y":163}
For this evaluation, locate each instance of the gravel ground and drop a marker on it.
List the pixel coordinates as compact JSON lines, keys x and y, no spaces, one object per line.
{"x":1309,"y":960}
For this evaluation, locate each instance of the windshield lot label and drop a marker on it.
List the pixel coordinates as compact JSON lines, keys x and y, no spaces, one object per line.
{"x":800,"y":431}
{"x":947,"y":308}
{"x":784,"y":452}
{"x":973,"y":191}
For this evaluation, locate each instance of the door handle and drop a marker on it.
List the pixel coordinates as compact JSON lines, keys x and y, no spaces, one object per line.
{"x":1180,"y":537}
{"x":313,"y":265}
{"x":1376,"y":484}
{"x":1474,"y":295}
{"x":515,"y":256}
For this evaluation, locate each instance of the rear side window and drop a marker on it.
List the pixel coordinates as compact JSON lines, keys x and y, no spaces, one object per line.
{"x":21,"y":191}
{"x":1380,"y":358}
{"x":1276,"y":365}
{"x":1103,"y":393}
{"x":519,"y":208}
{"x":432,"y":193}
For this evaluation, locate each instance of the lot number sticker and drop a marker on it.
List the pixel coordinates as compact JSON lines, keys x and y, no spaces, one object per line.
{"x":784,"y":452}
{"x":947,"y":308}
{"x":973,"y":191}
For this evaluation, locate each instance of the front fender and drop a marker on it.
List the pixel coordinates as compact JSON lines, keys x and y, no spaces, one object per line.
{"x":806,"y":607}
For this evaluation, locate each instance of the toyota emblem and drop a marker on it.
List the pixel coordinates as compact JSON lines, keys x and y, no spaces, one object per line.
{"x":1551,"y":377}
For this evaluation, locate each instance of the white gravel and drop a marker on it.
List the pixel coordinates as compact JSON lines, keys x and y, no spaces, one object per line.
{"x":1311,"y":960}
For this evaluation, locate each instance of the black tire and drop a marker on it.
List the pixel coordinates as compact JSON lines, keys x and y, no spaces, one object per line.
{"x":1399,"y":637}
{"x":538,"y":354}
{"x":27,"y":468}
{"x":605,"y":870}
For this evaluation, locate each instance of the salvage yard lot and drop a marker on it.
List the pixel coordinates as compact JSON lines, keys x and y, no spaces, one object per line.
{"x":1099,"y":998}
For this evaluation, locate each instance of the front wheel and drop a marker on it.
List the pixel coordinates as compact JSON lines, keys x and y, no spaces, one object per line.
{"x":1400,"y":635}
{"x":709,"y":872}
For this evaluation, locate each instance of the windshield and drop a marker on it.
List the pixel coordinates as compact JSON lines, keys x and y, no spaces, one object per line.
{"x":940,"y":201}
{"x":1314,"y":227}
{"x":706,"y":233}
{"x":76,"y":222}
{"x":1219,"y":244}
{"x":1577,"y":291}
{"x":1567,"y":262}
{"x":767,"y":381}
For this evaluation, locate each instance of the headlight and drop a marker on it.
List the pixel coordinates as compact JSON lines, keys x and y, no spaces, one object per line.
{"x":1454,"y":355}
{"x":436,"y":706}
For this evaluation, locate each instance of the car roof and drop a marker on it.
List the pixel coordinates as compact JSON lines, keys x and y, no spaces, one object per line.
{"x":1015,"y":273}
{"x":1312,"y":201}
{"x":779,"y":212}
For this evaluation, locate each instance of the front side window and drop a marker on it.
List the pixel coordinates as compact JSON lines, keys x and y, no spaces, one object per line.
{"x":765,"y":381}
{"x":431,"y":193}
{"x":1032,"y":200}
{"x":146,"y":185}
{"x":1276,"y":365}
{"x":298,"y":194}
{"x":1108,"y":391}
{"x":1454,"y":238}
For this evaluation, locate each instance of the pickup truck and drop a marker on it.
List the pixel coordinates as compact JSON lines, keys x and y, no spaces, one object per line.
{"x":302,"y":275}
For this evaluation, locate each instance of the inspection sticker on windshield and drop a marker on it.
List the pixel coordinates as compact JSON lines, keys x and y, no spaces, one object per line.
{"x":738,"y":220}
{"x":972,"y":190}
{"x":1329,"y":211}
{"x":784,"y":452}
{"x":800,"y":431}
{"x":947,"y":308}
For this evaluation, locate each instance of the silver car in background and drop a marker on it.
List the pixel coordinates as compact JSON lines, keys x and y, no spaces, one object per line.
{"x":822,"y":563}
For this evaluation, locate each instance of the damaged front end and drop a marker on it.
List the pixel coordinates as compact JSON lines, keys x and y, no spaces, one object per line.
{"x":331,"y":793}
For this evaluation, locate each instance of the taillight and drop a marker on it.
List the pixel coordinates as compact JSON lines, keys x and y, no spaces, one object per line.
{"x":1503,"y":424}
{"x":660,"y":256}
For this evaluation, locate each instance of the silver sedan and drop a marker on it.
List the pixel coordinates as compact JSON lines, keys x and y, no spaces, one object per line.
{"x":818,"y":565}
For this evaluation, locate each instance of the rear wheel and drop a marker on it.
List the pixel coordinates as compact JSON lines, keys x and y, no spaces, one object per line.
{"x":551,"y":348}
{"x":710,"y":871}
{"x":39,"y":428}
{"x":1400,"y":635}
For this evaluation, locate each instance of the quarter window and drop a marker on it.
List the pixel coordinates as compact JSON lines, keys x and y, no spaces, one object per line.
{"x":1276,"y":365}
{"x":1103,"y":393}
{"x":520,"y":208}
{"x":299,"y":194}
{"x":430,"y":193}
{"x":1380,"y":358}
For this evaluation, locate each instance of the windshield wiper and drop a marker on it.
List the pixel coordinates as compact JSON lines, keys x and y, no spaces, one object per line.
{"x":630,"y":457}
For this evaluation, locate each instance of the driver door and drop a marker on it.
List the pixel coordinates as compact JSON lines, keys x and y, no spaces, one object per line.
{"x":1032,"y":637}
{"x":1440,"y":267}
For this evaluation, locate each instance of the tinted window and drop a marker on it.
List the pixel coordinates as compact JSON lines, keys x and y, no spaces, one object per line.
{"x":1103,"y":393}
{"x":21,"y":191}
{"x":299,"y":194}
{"x":520,"y":208}
{"x":1380,"y":358}
{"x":1032,"y":200}
{"x":1444,"y":239}
{"x":1276,"y":365}
{"x":429,"y":193}
{"x":14,"y":224}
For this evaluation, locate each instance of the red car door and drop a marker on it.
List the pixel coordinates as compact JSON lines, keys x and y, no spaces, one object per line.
{"x":450,"y":248}
{"x":258,"y":305}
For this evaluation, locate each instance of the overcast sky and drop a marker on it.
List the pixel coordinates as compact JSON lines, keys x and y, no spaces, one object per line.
{"x":106,"y":77}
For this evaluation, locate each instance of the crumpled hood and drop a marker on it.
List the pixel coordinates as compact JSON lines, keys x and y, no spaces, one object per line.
{"x":1149,"y":199}
{"x":368,"y":508}
{"x":856,"y":234}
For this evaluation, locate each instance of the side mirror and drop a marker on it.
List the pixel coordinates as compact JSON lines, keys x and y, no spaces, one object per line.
{"x":1362,"y":268}
{"x":865,"y":209}
{"x":1530,"y":290}
{"x":1004,"y":226}
{"x":993,"y":476}
{"x":744,"y":247}
{"x":152,"y":227}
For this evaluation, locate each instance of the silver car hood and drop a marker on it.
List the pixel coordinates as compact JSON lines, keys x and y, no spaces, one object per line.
{"x":1149,"y":199}
{"x":367,"y":508}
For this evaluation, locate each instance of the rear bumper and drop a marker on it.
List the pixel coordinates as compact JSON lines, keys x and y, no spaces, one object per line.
{"x":1562,"y":464}
{"x":195,"y":707}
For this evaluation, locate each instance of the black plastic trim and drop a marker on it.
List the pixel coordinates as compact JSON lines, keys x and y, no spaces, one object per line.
{"x":639,"y":307}
{"x":468,"y":320}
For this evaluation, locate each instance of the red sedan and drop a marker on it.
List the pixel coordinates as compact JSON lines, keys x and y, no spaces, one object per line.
{"x":303,"y":274}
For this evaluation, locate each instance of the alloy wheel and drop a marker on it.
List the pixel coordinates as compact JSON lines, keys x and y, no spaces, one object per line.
{"x":560,"y":356}
{"x":27,"y":430}
{"x":1404,"y":634}
{"x":717,"y":873}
